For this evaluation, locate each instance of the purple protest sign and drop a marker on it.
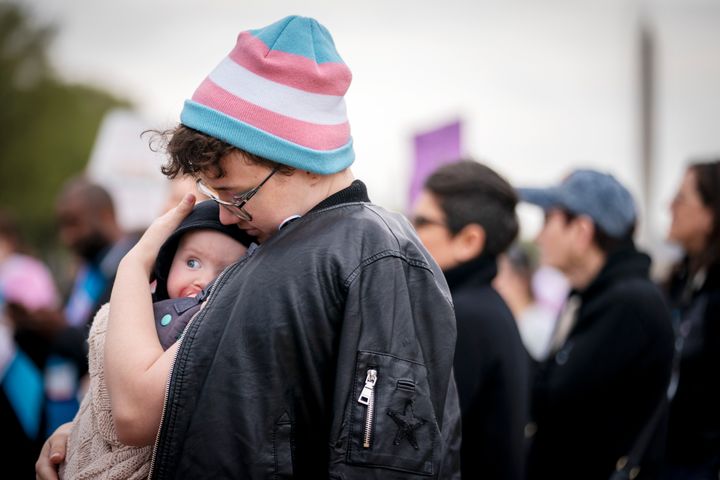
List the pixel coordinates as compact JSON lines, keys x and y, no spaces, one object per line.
{"x":432,"y":149}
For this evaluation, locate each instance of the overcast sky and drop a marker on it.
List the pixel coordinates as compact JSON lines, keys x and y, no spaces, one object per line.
{"x":541,"y":87}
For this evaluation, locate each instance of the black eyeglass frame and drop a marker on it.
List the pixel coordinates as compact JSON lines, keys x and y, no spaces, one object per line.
{"x":236,"y":207}
{"x":420,"y":221}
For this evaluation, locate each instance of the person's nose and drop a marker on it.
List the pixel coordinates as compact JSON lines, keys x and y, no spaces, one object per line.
{"x":202,"y":280}
{"x":228,"y":218}
{"x":207,"y":276}
{"x":674,"y":204}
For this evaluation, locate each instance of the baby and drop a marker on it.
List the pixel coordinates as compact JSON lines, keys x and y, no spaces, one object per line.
{"x":186,"y":264}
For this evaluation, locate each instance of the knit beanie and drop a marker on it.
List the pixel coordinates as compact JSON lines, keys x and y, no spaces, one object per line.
{"x":279,"y":94}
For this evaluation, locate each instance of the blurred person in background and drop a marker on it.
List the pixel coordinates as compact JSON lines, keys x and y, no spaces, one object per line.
{"x":87,"y":226}
{"x":604,"y":383}
{"x":514,"y":282}
{"x":694,"y":292}
{"x":26,"y":285}
{"x":465,"y":217}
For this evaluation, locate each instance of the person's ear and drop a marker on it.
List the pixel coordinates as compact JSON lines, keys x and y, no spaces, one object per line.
{"x":314,"y":178}
{"x":469,"y":242}
{"x":107,"y":220}
{"x":585,"y":231}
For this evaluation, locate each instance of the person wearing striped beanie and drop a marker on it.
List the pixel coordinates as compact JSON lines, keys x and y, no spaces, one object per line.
{"x":327,"y":352}
{"x":279,"y":95}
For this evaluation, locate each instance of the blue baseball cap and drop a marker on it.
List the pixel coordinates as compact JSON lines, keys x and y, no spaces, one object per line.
{"x":588,"y":192}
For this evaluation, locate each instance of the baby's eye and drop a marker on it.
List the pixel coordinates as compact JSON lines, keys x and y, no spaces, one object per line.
{"x":193,"y":263}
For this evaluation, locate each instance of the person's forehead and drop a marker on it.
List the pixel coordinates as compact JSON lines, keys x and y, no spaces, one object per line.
{"x":689,"y":182}
{"x":427,"y":203}
{"x":72,"y":206}
{"x":205,"y":240}
{"x":554,"y":214}
{"x":210,"y":246}
{"x":238,"y":173}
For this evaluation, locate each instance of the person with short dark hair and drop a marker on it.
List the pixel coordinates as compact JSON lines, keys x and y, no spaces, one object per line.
{"x":88,"y":227}
{"x":694,"y":292}
{"x":465,"y":216}
{"x":611,"y":352}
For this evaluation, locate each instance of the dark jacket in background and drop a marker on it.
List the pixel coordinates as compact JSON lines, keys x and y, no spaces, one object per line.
{"x":269,"y":378}
{"x":694,"y":428}
{"x":491,"y":370}
{"x":18,"y":452}
{"x":593,"y":396}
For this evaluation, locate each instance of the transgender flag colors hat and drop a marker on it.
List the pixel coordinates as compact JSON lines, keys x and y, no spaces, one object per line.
{"x":279,"y":94}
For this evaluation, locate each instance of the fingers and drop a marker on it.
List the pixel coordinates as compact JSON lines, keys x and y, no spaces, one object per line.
{"x":174,"y":216}
{"x":46,"y":467}
{"x":183,"y":208}
{"x":147,"y":247}
{"x":53,"y":453}
{"x":170,"y":221}
{"x":187,"y":202}
{"x":58,"y":444}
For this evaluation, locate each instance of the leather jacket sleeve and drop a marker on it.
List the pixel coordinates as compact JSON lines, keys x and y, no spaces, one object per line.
{"x":401,"y":416}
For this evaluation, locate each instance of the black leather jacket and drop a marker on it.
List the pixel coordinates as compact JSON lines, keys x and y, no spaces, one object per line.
{"x":270,"y":379}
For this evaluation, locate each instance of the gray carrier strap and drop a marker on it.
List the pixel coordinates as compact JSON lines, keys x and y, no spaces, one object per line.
{"x":172,"y":316}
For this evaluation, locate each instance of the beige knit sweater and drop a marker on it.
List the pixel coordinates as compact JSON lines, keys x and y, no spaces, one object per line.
{"x":93,"y":450}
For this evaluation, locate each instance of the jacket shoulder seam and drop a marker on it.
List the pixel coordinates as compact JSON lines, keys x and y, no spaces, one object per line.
{"x":380,"y":255}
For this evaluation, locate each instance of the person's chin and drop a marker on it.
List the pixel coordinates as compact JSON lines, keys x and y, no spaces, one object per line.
{"x":258,"y":234}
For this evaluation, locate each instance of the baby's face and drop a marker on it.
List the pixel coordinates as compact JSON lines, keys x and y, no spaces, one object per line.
{"x":200,"y":257}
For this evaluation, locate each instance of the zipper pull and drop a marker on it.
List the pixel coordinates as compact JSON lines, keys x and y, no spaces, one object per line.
{"x":367,"y":391}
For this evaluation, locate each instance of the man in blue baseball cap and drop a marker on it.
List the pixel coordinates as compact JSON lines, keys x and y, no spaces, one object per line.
{"x":598,"y":400}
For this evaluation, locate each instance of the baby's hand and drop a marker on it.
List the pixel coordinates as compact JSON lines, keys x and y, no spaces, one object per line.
{"x":147,"y":248}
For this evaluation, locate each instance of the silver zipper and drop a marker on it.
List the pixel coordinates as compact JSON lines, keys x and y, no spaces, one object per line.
{"x":367,"y":397}
{"x":172,"y":366}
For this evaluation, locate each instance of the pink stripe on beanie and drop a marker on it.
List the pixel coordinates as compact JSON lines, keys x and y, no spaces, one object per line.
{"x":280,"y":95}
{"x":319,"y":137}
{"x":290,"y":69}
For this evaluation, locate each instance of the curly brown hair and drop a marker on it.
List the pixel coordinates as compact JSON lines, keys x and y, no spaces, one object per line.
{"x":191,"y":151}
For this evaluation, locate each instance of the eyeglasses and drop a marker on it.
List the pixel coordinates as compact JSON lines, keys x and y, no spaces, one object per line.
{"x":236,"y":206}
{"x":419,"y":221}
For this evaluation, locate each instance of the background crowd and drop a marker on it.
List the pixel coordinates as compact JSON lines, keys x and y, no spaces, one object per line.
{"x":621,"y":376}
